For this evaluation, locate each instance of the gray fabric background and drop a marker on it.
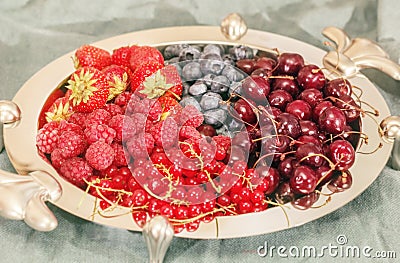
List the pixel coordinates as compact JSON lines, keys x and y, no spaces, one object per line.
{"x":35,"y":32}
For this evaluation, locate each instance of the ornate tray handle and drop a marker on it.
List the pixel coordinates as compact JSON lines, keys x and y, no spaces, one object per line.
{"x":353,"y":55}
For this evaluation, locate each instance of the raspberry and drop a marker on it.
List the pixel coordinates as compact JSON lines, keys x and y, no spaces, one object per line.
{"x":113,"y":109}
{"x":71,"y":144}
{"x":78,"y":118}
{"x":76,"y":170}
{"x":188,"y":132}
{"x":151,"y":108}
{"x":56,"y":158}
{"x":120,"y":158}
{"x":222,"y":142}
{"x":68,"y":126}
{"x":99,"y":116}
{"x":140,"y":146}
{"x":100,"y":155}
{"x":139,"y":120}
{"x":191,"y":116}
{"x":100,"y":132}
{"x":165,"y":133}
{"x":123,"y":126}
{"x":47,"y":137}
{"x":123,"y":99}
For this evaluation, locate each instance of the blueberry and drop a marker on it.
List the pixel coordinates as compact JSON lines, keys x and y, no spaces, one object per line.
{"x":192,"y":71}
{"x":189,"y":100}
{"x":198,"y":88}
{"x":211,"y":48}
{"x":234,"y":125}
{"x":174,"y":60}
{"x":211,"y":64}
{"x":186,"y":87}
{"x":215,"y":117}
{"x":228,"y":60}
{"x":210,"y":101}
{"x":173,"y":50}
{"x":233,"y":74}
{"x":220,"y":84}
{"x":189,"y":53}
{"x":241,"y":52}
{"x":208,"y":79}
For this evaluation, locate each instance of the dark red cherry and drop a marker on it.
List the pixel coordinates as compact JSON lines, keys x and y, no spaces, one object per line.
{"x":341,"y":183}
{"x":311,"y":96}
{"x":279,"y":98}
{"x":342,"y":154}
{"x":319,"y":108}
{"x":324,"y":172}
{"x":309,"y":128}
{"x":303,"y":180}
{"x":311,"y":77}
{"x":308,"y":139}
{"x":256,"y":88}
{"x":300,"y":109}
{"x":265,"y":63}
{"x":288,"y":84}
{"x":306,"y":201}
{"x":261,"y":72}
{"x":284,"y":193}
{"x":247,"y":65}
{"x":349,"y":107}
{"x":310,"y":154}
{"x":290,"y":63}
{"x":332,"y":120}
{"x":245,"y":111}
{"x":288,"y":124}
{"x":337,"y":88}
{"x":287,"y":166}
{"x":270,"y":175}
{"x":207,"y":130}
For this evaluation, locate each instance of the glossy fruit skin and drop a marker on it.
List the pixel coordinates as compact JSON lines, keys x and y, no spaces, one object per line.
{"x":341,"y":182}
{"x":279,"y":99}
{"x":349,"y":107}
{"x":342,"y":154}
{"x":256,"y":88}
{"x":245,"y":111}
{"x":290,"y":63}
{"x":311,"y":77}
{"x":311,"y":96}
{"x":300,"y":109}
{"x":303,"y":180}
{"x":332,"y":120}
{"x":337,"y":88}
{"x":310,"y":154}
{"x":91,"y":56}
{"x":288,"y":84}
{"x":288,"y":124}
{"x":144,"y":54}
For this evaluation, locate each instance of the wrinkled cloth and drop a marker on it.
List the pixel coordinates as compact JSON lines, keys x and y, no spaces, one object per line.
{"x":35,"y":32}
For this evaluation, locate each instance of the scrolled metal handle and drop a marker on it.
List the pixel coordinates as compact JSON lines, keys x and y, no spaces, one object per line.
{"x":390,"y":127}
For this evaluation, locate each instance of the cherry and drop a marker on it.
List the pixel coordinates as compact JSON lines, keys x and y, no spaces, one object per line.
{"x":300,"y":109}
{"x":275,"y":144}
{"x":325,"y":172}
{"x":288,"y":124}
{"x":342,"y":154}
{"x":284,"y":193}
{"x":207,"y":130}
{"x":271,"y":175}
{"x":319,"y":108}
{"x":308,"y":139}
{"x":245,"y":111}
{"x":287,"y":166}
{"x":290,"y":63}
{"x":332,"y":120}
{"x":261,"y":72}
{"x":337,"y":88}
{"x":311,"y":96}
{"x":243,"y":140}
{"x":306,"y":201}
{"x":256,"y":88}
{"x":247,"y":65}
{"x":349,"y":107}
{"x":288,"y":84}
{"x":265,"y":63}
{"x":303,"y":180}
{"x":310,"y":149}
{"x":279,"y":98}
{"x":308,"y":128}
{"x":341,"y":183}
{"x":311,"y":77}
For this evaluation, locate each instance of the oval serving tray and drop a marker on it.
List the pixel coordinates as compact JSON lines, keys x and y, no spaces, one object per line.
{"x":20,"y":140}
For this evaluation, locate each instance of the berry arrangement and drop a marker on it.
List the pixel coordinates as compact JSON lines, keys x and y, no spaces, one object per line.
{"x":193,"y":132}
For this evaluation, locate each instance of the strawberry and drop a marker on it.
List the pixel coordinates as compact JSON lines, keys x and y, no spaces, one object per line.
{"x":58,"y":93}
{"x":144,"y":70}
{"x":121,"y":56}
{"x":165,"y":81}
{"x":143,"y":54}
{"x":89,"y":89}
{"x":60,"y":110}
{"x":167,"y":103}
{"x":118,"y":79}
{"x":91,"y":56}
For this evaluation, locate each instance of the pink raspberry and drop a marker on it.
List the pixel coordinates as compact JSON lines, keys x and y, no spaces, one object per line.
{"x":100,"y":132}
{"x":191,"y":116}
{"x":123,"y":126}
{"x":139,"y":121}
{"x":76,"y":170}
{"x":123,"y":99}
{"x":99,"y":116}
{"x":140,"y":146}
{"x":78,"y":118}
{"x":113,"y":109}
{"x":47,"y":137}
{"x":222,"y":142}
{"x":152,"y":108}
{"x":56,"y":158}
{"x":68,"y":126}
{"x":71,"y":144}
{"x":100,"y":155}
{"x":120,"y":158}
{"x":186,"y":132}
{"x":165,"y":133}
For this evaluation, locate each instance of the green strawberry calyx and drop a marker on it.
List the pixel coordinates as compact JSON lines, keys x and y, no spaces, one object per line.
{"x":155,"y":85}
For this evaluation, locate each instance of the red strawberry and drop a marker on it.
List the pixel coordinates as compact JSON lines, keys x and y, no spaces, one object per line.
{"x":89,"y":89}
{"x":144,"y":70}
{"x":118,"y":79}
{"x":167,"y":103}
{"x":91,"y":56}
{"x":143,"y":54}
{"x":121,"y":56}
{"x":60,"y":110}
{"x":174,"y":79}
{"x":49,"y":102}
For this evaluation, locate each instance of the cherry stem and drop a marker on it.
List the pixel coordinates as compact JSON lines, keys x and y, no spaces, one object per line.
{"x":380,"y":145}
{"x":217,"y":189}
{"x":331,"y":164}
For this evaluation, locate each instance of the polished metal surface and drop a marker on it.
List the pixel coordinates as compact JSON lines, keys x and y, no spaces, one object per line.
{"x":391,"y":133}
{"x":158,"y":234}
{"x":23,"y":197}
{"x":353,"y":55}
{"x":233,"y":27}
{"x":10,"y":114}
